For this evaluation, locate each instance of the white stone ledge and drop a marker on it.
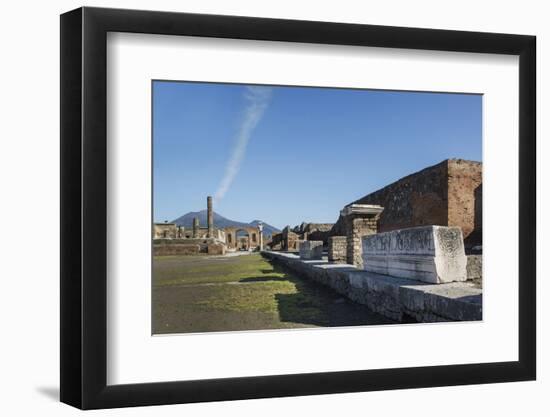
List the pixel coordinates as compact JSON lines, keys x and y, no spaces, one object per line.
{"x":362,"y":209}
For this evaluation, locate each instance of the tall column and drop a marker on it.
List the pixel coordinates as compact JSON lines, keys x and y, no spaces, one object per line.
{"x":261,"y":235}
{"x":210,"y":217}
{"x":360,"y":220}
{"x":196,"y":226}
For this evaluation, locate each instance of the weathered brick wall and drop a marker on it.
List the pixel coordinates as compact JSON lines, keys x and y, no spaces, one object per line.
{"x":337,"y":249}
{"x":441,"y":195}
{"x":417,"y":199}
{"x":319,"y":235}
{"x":464,"y":180}
{"x":321,"y":227}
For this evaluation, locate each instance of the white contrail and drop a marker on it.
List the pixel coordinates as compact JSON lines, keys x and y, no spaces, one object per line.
{"x":257,"y":99}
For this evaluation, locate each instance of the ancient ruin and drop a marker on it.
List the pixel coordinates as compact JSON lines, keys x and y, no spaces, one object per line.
{"x":171,"y":239}
{"x":445,"y":194}
{"x":384,"y":248}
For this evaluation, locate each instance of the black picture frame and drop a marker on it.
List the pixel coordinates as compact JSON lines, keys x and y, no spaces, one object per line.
{"x":84,"y":207}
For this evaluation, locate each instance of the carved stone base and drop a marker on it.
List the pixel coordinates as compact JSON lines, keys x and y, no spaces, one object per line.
{"x":433,"y":254}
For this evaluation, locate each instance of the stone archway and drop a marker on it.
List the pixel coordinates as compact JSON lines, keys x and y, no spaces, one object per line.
{"x":233,"y":241}
{"x":243,"y":240}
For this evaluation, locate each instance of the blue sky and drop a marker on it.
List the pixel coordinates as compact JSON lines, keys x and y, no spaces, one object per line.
{"x":291,"y":154}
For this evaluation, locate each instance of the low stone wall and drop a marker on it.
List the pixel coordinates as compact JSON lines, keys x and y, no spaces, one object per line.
{"x":191,"y":246}
{"x":400,"y":299}
{"x":176,"y":249}
{"x":337,"y":249}
{"x":311,"y":249}
{"x":432,"y":254}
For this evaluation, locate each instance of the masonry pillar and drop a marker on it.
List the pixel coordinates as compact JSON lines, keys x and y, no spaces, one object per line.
{"x":196,"y":226}
{"x":210,"y":217}
{"x":360,"y":220}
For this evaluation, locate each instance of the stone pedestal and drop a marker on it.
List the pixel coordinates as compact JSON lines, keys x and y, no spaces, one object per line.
{"x":337,"y":249}
{"x":433,"y":254}
{"x":311,"y":249}
{"x":360,"y":220}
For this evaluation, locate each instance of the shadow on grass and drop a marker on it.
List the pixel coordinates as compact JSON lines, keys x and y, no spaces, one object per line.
{"x":317,"y":305}
{"x":263,"y":279}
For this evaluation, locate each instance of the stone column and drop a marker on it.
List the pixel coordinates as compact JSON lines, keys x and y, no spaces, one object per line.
{"x":360,"y":220}
{"x":210,"y":217}
{"x":196,"y":227}
{"x":261,"y":235}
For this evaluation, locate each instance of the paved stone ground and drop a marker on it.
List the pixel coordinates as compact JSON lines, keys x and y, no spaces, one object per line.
{"x":215,"y":293}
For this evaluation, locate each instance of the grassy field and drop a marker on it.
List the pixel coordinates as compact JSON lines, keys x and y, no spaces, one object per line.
{"x":223,"y":293}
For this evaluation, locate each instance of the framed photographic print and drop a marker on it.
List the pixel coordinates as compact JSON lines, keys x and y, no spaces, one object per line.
{"x":258,"y":208}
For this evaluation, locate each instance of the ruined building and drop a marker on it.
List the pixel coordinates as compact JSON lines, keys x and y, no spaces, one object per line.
{"x":446,"y":194}
{"x":167,"y":231}
{"x":170,"y":239}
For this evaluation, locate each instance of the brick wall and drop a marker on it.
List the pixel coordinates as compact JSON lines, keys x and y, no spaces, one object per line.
{"x":445,"y":194}
{"x":357,"y":227}
{"x":464,"y":178}
{"x":337,"y":249}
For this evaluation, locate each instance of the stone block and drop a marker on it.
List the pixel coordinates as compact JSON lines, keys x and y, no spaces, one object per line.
{"x":475,"y":266}
{"x":433,"y":254}
{"x":337,"y":249}
{"x":216,"y":249}
{"x":311,"y":249}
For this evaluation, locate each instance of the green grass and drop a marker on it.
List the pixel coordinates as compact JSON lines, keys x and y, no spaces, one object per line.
{"x":201,"y":294}
{"x":174,"y":270}
{"x":246,"y":298}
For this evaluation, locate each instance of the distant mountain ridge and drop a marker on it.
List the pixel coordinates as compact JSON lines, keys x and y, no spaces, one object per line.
{"x":219,"y":221}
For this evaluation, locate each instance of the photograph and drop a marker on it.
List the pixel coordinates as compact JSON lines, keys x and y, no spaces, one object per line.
{"x":279,"y":207}
{"x":312,"y":204}
{"x":272,"y":209}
